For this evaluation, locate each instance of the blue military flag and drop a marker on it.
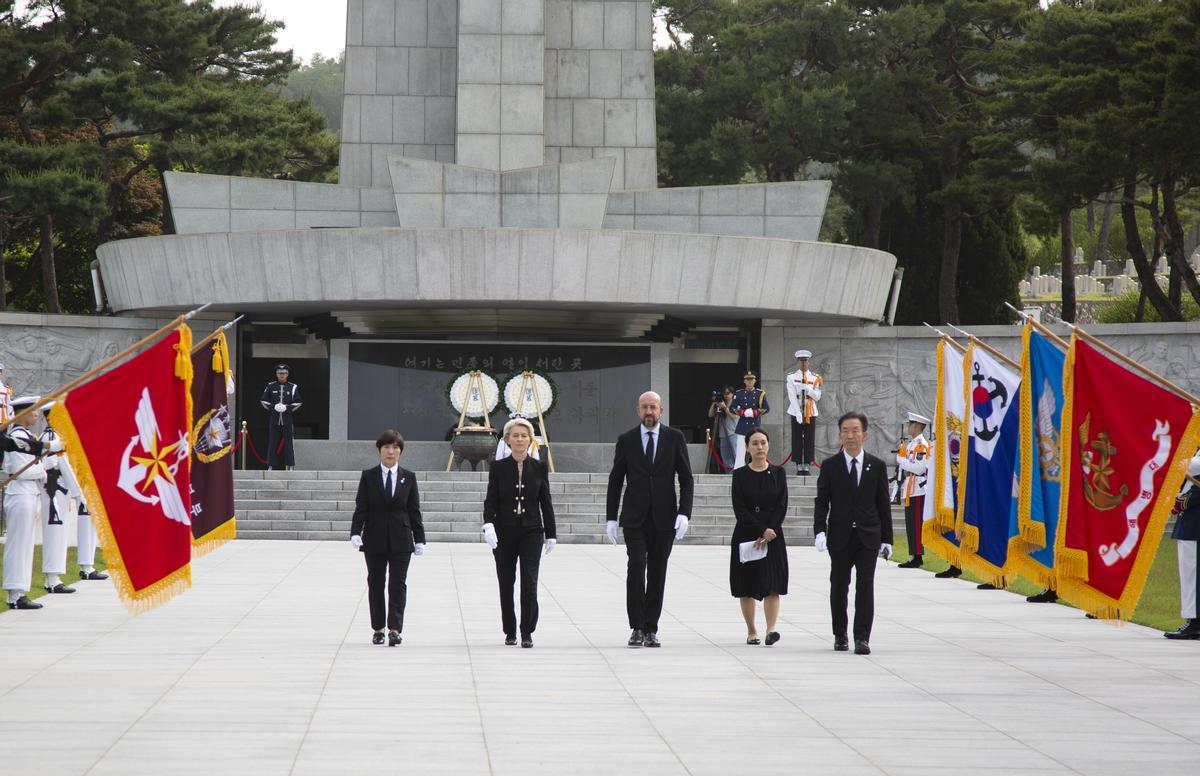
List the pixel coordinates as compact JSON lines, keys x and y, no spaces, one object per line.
{"x":1041,"y":453}
{"x":987,"y":516}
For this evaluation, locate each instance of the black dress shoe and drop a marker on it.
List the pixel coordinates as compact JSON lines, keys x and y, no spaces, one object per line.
{"x":60,"y":588}
{"x":93,"y":575}
{"x":510,"y":641}
{"x":753,"y":641}
{"x":985,"y":586}
{"x":377,"y":638}
{"x":772,"y":637}
{"x":1047,"y":596}
{"x":651,"y":640}
{"x":950,"y":573}
{"x":840,"y":644}
{"x":24,"y":603}
{"x":912,"y":563}
{"x":637,"y":638}
{"x":861,"y":647}
{"x":393,"y":638}
{"x":526,"y":642}
{"x":1189,"y":630}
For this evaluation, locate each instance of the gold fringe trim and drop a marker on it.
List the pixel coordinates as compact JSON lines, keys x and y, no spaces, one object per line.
{"x":217,"y":537}
{"x":1033,"y":533}
{"x":158,"y":593}
{"x":1068,"y":562}
{"x":965,"y":444}
{"x":931,"y":537}
{"x":942,"y":516}
{"x":1029,"y":568}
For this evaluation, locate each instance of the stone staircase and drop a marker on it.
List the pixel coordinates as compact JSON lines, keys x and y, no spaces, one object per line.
{"x":319,"y":505}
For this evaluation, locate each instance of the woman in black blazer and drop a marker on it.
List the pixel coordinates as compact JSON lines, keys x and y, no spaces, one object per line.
{"x":387,"y":529}
{"x":518,"y":520}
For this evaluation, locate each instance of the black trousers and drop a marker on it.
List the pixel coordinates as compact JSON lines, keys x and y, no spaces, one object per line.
{"x":286,"y":456}
{"x":524,"y":545}
{"x":862,"y":560}
{"x":394,"y":569}
{"x":646,"y":576}
{"x":912,"y":524}
{"x":803,"y":441}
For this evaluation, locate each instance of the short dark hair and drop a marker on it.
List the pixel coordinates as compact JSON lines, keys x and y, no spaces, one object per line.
{"x":390,"y":437}
{"x":728,"y":389}
{"x":853,"y":415}
{"x":757,"y":430}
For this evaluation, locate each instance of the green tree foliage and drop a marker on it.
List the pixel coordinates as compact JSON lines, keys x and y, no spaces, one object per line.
{"x":320,"y":80}
{"x":99,"y":97}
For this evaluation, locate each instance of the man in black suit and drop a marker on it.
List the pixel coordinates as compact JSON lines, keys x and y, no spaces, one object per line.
{"x":647,"y":461}
{"x":387,"y":529}
{"x":853,"y":507}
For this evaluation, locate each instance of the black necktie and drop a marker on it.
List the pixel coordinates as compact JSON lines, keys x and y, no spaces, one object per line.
{"x":650,"y":446}
{"x":854,"y":471}
{"x":387,"y":483}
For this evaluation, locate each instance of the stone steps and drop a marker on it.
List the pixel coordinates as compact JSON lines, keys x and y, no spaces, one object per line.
{"x":318,"y":505}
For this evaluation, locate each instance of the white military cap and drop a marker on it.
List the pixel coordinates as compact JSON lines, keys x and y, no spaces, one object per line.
{"x":21,"y":402}
{"x":803,"y":354}
{"x":915,"y":418}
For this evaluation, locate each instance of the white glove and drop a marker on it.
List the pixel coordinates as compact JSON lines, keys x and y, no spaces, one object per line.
{"x":550,"y":544}
{"x":611,"y":530}
{"x":747,"y":413}
{"x":820,"y":543}
{"x":489,"y":535}
{"x":418,"y":549}
{"x":356,"y":541}
{"x":56,"y":446}
{"x":281,"y":407}
{"x":886,"y":551}
{"x":681,"y":524}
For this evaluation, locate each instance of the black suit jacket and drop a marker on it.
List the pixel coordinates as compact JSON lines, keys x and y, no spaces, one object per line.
{"x":841,"y":508}
{"x":500,"y":503}
{"x":650,"y":488}
{"x":388,"y":525}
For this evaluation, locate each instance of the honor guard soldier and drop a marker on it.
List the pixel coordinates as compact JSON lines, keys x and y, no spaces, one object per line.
{"x":61,"y":489}
{"x":804,"y":391}
{"x":749,"y":404}
{"x":25,"y":486}
{"x":281,"y":399}
{"x":913,"y":459}
{"x":1187,"y":536}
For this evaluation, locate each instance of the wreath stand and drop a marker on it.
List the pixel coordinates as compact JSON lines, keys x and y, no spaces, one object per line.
{"x":474,"y":388}
{"x":528,"y":384}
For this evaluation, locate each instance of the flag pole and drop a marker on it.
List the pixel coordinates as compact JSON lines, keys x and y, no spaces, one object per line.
{"x":30,"y":412}
{"x":1155,"y":376}
{"x":1039,"y":326}
{"x":946,"y":337}
{"x":215,"y":332}
{"x":986,"y":346}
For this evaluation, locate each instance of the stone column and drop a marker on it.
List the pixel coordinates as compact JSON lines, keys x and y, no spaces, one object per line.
{"x":501,"y":84}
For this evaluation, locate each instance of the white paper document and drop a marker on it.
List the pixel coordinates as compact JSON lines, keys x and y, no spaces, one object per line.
{"x":748,"y":552}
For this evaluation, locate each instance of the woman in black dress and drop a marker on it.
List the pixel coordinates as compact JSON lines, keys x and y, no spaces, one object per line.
{"x":760,"y":495}
{"x":518,"y":521}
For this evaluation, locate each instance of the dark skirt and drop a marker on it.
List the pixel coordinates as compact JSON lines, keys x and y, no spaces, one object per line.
{"x":759,"y":578}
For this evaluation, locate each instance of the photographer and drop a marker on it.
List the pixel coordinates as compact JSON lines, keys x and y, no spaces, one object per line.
{"x":724,"y":423}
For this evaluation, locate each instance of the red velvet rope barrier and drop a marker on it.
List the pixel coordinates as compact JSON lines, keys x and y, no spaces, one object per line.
{"x":716,"y":457}
{"x":257,"y":457}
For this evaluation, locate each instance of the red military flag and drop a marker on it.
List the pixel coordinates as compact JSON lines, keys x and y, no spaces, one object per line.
{"x":213,"y":521}
{"x":126,"y":434}
{"x":1126,"y":445}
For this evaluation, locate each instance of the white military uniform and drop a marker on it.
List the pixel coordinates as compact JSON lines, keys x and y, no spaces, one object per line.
{"x":803,"y":392}
{"x":6,"y":394}
{"x":913,"y":459}
{"x":22,"y":500}
{"x":58,"y":510}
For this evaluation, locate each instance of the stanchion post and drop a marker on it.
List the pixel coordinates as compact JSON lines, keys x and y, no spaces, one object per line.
{"x":244,"y":432}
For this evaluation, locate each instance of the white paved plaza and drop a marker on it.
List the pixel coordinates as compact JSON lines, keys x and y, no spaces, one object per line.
{"x":265,"y":667}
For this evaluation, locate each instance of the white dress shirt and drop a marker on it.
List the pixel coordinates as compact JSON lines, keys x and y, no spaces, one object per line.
{"x":383,"y":472}
{"x":858,"y":458}
{"x":646,"y":432}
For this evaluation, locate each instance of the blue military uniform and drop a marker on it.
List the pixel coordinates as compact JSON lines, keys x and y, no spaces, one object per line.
{"x":280,"y":430}
{"x":749,"y":399}
{"x":1187,"y":537}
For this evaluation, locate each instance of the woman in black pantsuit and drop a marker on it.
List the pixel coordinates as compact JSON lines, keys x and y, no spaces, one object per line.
{"x":518,"y":521}
{"x":388,"y":531}
{"x":759,"y":493}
